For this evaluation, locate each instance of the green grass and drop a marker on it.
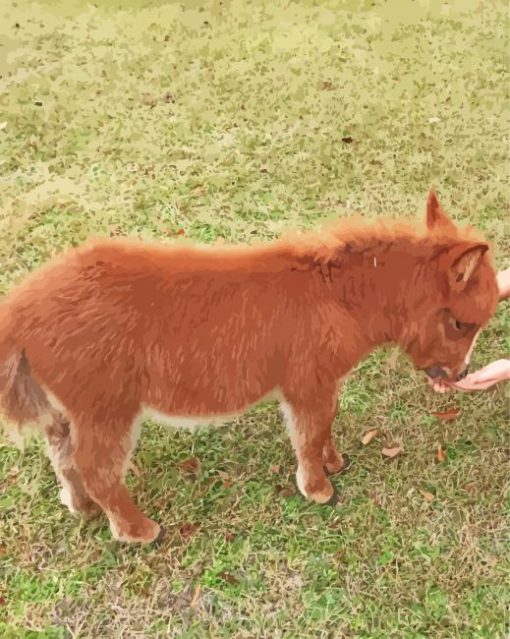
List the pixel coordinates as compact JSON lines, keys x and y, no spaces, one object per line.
{"x":226,"y":119}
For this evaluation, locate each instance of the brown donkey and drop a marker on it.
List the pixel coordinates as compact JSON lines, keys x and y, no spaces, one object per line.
{"x":118,"y":329}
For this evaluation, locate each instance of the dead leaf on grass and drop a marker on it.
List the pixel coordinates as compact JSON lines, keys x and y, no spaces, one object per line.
{"x":427,"y":496}
{"x":469,"y":487}
{"x":369,"y":436}
{"x":226,"y":479}
{"x":13,"y":472}
{"x":229,"y":578}
{"x":286,"y":491}
{"x":188,"y":529}
{"x":448,"y":415}
{"x":190,"y":466}
{"x":392,"y":452}
{"x":198,"y":191}
{"x":347,"y":139}
{"x":229,"y":536}
{"x":376,"y":499}
{"x":148,"y":100}
{"x":440,"y":455}
{"x":196,"y":597}
{"x":275,"y":469}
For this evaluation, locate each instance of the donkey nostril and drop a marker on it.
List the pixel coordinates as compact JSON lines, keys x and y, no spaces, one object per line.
{"x":435,"y":372}
{"x":463,"y":374}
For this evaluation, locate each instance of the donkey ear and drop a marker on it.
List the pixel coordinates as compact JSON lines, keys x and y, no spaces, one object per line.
{"x":462,"y":261}
{"x":436,"y":217}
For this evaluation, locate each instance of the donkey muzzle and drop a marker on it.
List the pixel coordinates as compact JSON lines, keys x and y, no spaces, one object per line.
{"x":435,"y":372}
{"x":462,"y":374}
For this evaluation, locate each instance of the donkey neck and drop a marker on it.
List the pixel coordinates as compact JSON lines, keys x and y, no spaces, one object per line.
{"x":376,"y":284}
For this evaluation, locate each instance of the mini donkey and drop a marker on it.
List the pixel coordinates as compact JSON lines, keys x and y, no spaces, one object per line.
{"x":118,"y":329}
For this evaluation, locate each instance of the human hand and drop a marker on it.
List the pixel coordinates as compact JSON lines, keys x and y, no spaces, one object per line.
{"x":486,"y":377}
{"x":503,"y":278}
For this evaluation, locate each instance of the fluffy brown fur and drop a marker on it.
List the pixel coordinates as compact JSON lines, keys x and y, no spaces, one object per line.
{"x":111,"y":329}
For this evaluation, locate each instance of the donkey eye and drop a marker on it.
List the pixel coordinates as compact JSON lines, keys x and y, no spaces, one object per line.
{"x":463,"y":326}
{"x":457,"y":328}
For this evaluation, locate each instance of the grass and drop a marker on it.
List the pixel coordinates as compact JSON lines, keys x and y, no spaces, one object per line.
{"x":235,"y":120}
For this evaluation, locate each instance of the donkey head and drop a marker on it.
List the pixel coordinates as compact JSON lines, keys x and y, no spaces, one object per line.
{"x":456,"y":298}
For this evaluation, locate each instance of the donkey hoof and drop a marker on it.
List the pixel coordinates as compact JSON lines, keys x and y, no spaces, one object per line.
{"x":347,"y":463}
{"x":160,"y":538}
{"x":334,"y":499}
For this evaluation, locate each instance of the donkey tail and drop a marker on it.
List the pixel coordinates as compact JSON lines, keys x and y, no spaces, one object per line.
{"x":22,"y":400}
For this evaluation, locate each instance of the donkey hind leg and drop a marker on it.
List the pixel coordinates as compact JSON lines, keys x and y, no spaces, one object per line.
{"x":309,"y":421}
{"x":102,"y":451}
{"x":59,"y":449}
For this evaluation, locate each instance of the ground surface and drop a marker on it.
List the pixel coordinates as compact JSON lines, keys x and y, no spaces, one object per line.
{"x":236,"y":121}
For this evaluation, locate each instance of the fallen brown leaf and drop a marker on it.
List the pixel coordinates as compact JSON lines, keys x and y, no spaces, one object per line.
{"x":190,"y":466}
{"x":492,"y":560}
{"x":347,"y":139}
{"x":427,"y":496}
{"x":441,"y":455}
{"x":2,"y":600}
{"x":12,"y":472}
{"x":469,"y":487}
{"x":226,"y":479}
{"x":375,"y":499}
{"x":196,"y":597}
{"x":198,"y":191}
{"x":286,"y":491}
{"x":448,"y":415}
{"x":275,"y":469}
{"x":229,"y":536}
{"x":148,"y":100}
{"x":390,"y":453}
{"x":228,"y":577}
{"x":369,"y":436}
{"x":188,"y":529}
{"x":327,"y":85}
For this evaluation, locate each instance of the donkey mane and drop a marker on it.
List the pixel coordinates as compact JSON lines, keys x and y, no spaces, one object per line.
{"x":324,"y":246}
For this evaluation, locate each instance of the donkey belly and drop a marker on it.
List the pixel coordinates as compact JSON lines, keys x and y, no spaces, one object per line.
{"x":188,"y":418}
{"x":215,"y":387}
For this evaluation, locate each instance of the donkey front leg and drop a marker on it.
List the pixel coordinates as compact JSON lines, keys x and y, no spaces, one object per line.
{"x":309,"y":421}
